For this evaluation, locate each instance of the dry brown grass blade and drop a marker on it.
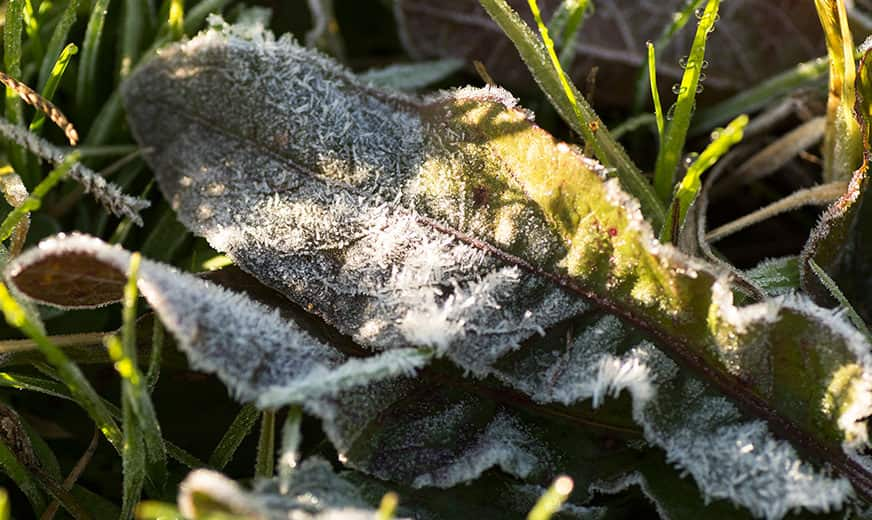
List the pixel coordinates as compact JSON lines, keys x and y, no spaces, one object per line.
{"x":34,"y":99}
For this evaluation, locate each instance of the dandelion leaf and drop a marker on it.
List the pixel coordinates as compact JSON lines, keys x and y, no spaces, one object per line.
{"x":454,"y":224}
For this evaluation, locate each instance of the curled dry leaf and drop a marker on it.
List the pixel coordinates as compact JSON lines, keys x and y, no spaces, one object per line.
{"x":750,"y":40}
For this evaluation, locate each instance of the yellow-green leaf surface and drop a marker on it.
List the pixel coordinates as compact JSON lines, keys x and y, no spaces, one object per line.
{"x":454,"y":222}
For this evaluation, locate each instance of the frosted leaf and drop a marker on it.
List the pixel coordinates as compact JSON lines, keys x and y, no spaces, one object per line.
{"x":254,"y":350}
{"x":454,"y":223}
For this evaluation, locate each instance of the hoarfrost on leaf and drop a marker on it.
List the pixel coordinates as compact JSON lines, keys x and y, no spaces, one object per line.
{"x":453,"y":222}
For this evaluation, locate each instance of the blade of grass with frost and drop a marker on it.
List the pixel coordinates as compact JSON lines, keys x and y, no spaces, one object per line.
{"x":679,"y":20}
{"x":688,"y":189}
{"x":266,"y":445}
{"x":233,"y":437}
{"x":34,"y":200}
{"x":669,"y":154}
{"x":843,"y":146}
{"x":290,"y":447}
{"x":579,"y":116}
{"x":565,"y":25}
{"x":23,"y":479}
{"x":57,"y":41}
{"x":655,"y":93}
{"x":87,"y":80}
{"x":54,"y":79}
{"x":110,"y":113}
{"x":134,"y":383}
{"x":833,"y":287}
{"x":69,"y":373}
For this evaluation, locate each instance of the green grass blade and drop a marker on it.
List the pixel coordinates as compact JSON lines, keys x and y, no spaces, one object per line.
{"x":153,"y":510}
{"x":5,"y":507}
{"x":31,"y":27}
{"x":133,"y":452}
{"x":553,"y":498}
{"x":688,"y":189}
{"x":290,"y":447}
{"x":134,"y":387}
{"x":839,"y":296}
{"x":110,"y":114}
{"x":842,"y":152}
{"x":679,"y":20}
{"x":79,"y":387}
{"x":387,"y":508}
{"x":133,"y":28}
{"x":176,"y":19}
{"x":803,"y":75}
{"x":605,"y":147}
{"x":12,"y":30}
{"x":672,"y":146}
{"x":54,"y":389}
{"x":34,"y":200}
{"x":18,"y":473}
{"x":87,"y":80}
{"x":51,"y":86}
{"x":158,"y":336}
{"x":34,"y":384}
{"x":233,"y":437}
{"x":57,"y":41}
{"x":266,"y":446}
{"x":655,"y":93}
{"x":565,"y":25}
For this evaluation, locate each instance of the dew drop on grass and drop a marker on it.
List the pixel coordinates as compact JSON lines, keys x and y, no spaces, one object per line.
{"x":670,"y":114}
{"x":690,"y":158}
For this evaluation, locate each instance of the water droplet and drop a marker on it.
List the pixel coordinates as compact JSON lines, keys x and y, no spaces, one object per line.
{"x":716,"y":134}
{"x":671,"y":112}
{"x":683,"y":62}
{"x":702,"y":76}
{"x":690,"y":158}
{"x":678,"y":89}
{"x":699,"y":88}
{"x":699,"y":13}
{"x":705,"y":64}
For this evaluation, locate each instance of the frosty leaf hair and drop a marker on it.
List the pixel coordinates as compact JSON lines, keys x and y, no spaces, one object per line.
{"x":454,"y":223}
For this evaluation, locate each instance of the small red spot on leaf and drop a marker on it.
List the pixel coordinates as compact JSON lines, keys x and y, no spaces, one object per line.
{"x":613,"y":231}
